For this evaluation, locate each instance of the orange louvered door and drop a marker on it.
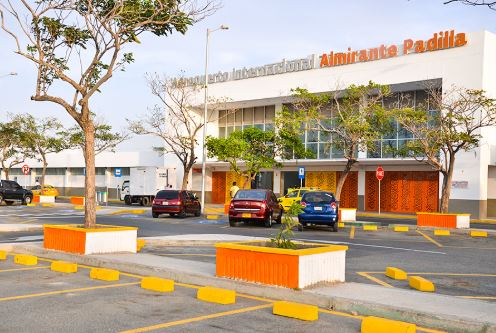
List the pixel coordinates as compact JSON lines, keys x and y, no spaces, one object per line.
{"x":218,"y":187}
{"x":403,"y":191}
{"x":349,"y":193}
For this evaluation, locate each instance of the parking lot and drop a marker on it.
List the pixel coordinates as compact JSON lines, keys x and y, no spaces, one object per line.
{"x":60,"y":302}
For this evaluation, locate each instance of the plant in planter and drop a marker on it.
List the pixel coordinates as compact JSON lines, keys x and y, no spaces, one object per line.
{"x":288,"y":223}
{"x":281,"y":261}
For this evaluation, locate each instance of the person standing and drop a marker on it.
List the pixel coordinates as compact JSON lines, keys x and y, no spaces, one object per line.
{"x":234,"y":189}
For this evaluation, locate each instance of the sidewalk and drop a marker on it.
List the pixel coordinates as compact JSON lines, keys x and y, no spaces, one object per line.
{"x":432,"y":310}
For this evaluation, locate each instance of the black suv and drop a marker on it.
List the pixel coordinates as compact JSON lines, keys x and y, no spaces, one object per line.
{"x":11,"y":191}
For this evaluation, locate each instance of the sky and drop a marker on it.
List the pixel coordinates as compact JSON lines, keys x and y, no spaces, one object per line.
{"x":260,"y":32}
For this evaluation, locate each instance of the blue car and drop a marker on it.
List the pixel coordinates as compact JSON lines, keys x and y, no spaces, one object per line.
{"x":320,"y":208}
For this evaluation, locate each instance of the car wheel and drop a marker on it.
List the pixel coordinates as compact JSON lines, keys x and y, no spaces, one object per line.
{"x":300,"y":227}
{"x":172,"y":214}
{"x":182,"y":214}
{"x":26,"y":201}
{"x":145,"y":201}
{"x":1,"y":198}
{"x":232,"y":223}
{"x":9,"y":203}
{"x":268,"y":221}
{"x":127,"y":200}
{"x":155,"y":215}
{"x":198,"y":213}
{"x":279,"y":219}
{"x":335,"y":227}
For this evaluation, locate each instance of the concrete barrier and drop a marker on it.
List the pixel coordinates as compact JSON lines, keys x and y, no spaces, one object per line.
{"x":421,"y":284}
{"x":157,"y":284}
{"x":216,"y":295}
{"x":296,"y":310}
{"x":395,"y":273}
{"x":381,"y":325}
{"x":347,"y":214}
{"x":448,"y":220}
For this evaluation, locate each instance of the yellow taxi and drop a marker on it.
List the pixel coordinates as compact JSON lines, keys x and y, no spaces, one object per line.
{"x":293,"y":195}
{"x":46,"y":190}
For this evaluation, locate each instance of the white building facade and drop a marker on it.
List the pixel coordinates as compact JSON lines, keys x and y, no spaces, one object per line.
{"x":445,"y":59}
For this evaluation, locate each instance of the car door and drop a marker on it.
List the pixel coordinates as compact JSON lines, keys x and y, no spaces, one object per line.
{"x":18,"y":190}
{"x":9,"y":191}
{"x":186,"y":201}
{"x":194,"y":202}
{"x":276,"y":206}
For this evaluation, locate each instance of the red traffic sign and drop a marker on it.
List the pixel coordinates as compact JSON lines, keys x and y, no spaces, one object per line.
{"x":25,"y":169}
{"x":379,"y":173}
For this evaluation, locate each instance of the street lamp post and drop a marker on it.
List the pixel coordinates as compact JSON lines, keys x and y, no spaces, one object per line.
{"x":222,"y":27}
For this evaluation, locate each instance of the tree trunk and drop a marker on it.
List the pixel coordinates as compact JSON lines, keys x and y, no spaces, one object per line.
{"x":89,"y":179}
{"x":446,"y":189}
{"x":342,"y":179}
{"x":248,"y":179}
{"x":43,"y":172}
{"x":187,"y":170}
{"x":6,"y":172}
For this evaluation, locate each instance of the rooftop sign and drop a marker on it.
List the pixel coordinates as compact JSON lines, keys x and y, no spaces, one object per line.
{"x":439,"y":41}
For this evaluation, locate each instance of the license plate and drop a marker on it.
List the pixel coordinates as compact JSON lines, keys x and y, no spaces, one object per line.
{"x":246,"y":215}
{"x":317,"y":208}
{"x":165,"y":203}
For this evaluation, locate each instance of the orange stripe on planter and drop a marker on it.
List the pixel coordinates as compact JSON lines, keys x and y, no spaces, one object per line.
{"x":77,"y":200}
{"x":36,"y":198}
{"x":64,"y":240}
{"x":436,"y":220}
{"x":268,"y":268}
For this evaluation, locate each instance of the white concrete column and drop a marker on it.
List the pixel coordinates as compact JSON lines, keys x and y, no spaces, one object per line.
{"x":277,"y":182}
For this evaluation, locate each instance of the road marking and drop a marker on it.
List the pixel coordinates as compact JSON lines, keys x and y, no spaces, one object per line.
{"x":23,"y":269}
{"x":479,"y":297}
{"x":352,"y":232}
{"x":27,"y":221}
{"x":429,"y":238}
{"x":369,"y":245}
{"x":470,"y":247}
{"x":376,"y":280}
{"x":58,"y":292}
{"x":200,"y":318}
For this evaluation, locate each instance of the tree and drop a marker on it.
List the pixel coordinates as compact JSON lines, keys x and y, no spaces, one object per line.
{"x":13,"y":147}
{"x":41,"y":137}
{"x":449,"y":123}
{"x":77,"y":45}
{"x":252,"y":149}
{"x":105,"y":139}
{"x":177,"y":120}
{"x":351,"y":120}
{"x":489,"y":4}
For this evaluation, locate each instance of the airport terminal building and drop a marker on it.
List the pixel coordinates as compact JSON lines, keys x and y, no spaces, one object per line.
{"x":444,"y":59}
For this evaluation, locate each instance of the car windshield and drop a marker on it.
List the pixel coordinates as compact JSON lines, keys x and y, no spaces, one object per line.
{"x":167,"y":195}
{"x":250,"y":194}
{"x":318,"y":197}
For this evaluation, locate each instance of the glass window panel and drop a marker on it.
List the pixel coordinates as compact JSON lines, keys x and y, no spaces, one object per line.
{"x":403,"y":133}
{"x":230,"y":118}
{"x":270,"y":113}
{"x":421,"y":100}
{"x":222,"y":132}
{"x":247,"y":126}
{"x":248,"y":116}
{"x":230,"y":129}
{"x":389,"y":148}
{"x":312,"y":136}
{"x":407,"y":99}
{"x":324,"y":151}
{"x":259,"y":115}
{"x":336,"y":152}
{"x":394,"y":130}
{"x":376,"y":152}
{"x":269,"y":127}
{"x":260,"y":126}
{"x":222,"y":117}
{"x":391,"y":102}
{"x":324,"y":136}
{"x":238,"y":128}
{"x":237,"y":117}
{"x":313,"y":147}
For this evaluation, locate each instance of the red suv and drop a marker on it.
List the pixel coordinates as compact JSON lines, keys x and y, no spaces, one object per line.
{"x":175,"y":202}
{"x":258,"y":205}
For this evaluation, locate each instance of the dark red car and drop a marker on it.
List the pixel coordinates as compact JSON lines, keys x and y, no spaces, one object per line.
{"x":175,"y":202}
{"x":255,"y":205}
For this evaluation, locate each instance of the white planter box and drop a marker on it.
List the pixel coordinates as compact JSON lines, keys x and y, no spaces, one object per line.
{"x":47,"y":199}
{"x":347,"y":214}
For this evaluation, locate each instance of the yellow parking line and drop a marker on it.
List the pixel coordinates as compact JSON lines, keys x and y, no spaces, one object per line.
{"x":376,"y":280}
{"x":195,"y":319}
{"x":23,"y":269}
{"x":429,"y":238}
{"x":28,"y":221}
{"x":189,"y":254}
{"x":58,"y":292}
{"x":352,"y":232}
{"x":429,"y":330}
{"x":456,"y":274}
